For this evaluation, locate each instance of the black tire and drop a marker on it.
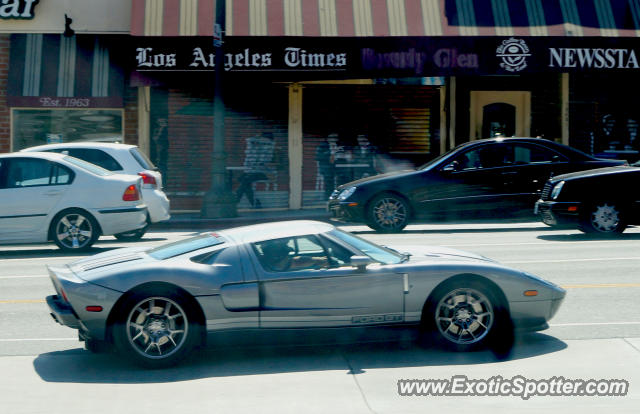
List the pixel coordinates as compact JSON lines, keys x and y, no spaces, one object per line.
{"x":603,"y":218}
{"x":388,"y":213}
{"x":156,"y":329}
{"x":74,"y":230}
{"x":465,"y":316}
{"x":132,"y":235}
{"x":97,"y":347}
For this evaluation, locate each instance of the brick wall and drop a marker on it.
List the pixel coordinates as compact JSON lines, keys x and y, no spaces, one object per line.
{"x":4,"y":109}
{"x":130,"y":115}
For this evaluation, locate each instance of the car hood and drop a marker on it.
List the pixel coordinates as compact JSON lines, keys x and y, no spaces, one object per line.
{"x":421,"y":253}
{"x":596,"y":172}
{"x":377,"y":178}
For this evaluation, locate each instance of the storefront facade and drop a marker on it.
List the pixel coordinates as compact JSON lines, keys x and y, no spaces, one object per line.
{"x":321,"y":92}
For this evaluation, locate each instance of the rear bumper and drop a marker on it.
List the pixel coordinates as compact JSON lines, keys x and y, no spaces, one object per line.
{"x":558,"y":213}
{"x":121,"y":220}
{"x":157,"y":203}
{"x":62,"y":312}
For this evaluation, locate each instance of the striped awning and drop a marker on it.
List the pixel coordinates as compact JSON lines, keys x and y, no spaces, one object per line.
{"x":385,"y":18}
{"x":54,"y":71}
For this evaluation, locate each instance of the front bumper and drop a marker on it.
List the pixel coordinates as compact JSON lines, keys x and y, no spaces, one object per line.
{"x":346,"y":211}
{"x":558,"y":213}
{"x":62,"y":312}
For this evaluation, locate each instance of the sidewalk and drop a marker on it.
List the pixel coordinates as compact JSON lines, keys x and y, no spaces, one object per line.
{"x":193,"y":221}
{"x":181,"y":221}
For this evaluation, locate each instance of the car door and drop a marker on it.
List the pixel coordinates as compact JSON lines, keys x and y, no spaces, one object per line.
{"x":529,"y":168}
{"x":31,"y":189}
{"x":326,"y":291}
{"x":472,"y":181}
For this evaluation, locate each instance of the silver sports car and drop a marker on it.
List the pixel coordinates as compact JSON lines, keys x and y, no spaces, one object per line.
{"x":155,"y":305}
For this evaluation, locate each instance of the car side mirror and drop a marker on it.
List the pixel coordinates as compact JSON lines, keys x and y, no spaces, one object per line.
{"x":452,"y":167}
{"x":361,"y":262}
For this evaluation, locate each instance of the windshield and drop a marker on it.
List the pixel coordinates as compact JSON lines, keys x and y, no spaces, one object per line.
{"x":92,"y":168}
{"x":191,"y":244}
{"x":377,"y":253}
{"x":436,"y":160}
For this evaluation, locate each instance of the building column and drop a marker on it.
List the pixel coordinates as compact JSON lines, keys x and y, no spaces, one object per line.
{"x":443,"y":119}
{"x":564,"y":102}
{"x":144,"y":110}
{"x":452,"y":112}
{"x":295,"y":146}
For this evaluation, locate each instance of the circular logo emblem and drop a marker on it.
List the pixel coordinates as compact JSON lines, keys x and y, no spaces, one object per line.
{"x":514,"y":53}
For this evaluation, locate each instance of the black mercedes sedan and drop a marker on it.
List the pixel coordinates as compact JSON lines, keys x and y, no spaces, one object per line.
{"x":495,"y":176}
{"x":605,"y":200}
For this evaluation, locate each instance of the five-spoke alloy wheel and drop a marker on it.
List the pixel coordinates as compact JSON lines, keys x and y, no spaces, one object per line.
{"x":74,"y":230}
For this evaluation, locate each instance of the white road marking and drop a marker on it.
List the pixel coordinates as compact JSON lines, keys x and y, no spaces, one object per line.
{"x":593,"y":324}
{"x":23,"y":277}
{"x":592,"y":259}
{"x":37,"y":339}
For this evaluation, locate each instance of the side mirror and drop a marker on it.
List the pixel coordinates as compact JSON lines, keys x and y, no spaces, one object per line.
{"x":452,"y":167}
{"x":361,"y":262}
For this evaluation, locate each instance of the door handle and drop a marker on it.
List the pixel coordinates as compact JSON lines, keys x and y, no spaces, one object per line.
{"x":510,"y":173}
{"x":53,"y":192}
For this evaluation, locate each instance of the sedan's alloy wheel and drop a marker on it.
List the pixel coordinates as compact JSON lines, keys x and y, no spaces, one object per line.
{"x":605,"y":218}
{"x":157,"y":327}
{"x":464,"y":316}
{"x":74,"y":231}
{"x":390,"y":213}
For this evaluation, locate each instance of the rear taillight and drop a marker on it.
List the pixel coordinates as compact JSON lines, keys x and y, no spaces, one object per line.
{"x":148,"y":180}
{"x":131,"y":193}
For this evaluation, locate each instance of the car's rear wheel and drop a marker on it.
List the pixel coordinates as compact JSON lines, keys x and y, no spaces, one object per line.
{"x":388,"y":213}
{"x":132,"y":235}
{"x":465,"y":315}
{"x":156,"y":330}
{"x":74,"y":230}
{"x":603,"y":217}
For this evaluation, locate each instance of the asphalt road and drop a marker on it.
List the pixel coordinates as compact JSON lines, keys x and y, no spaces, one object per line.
{"x":595,"y":335}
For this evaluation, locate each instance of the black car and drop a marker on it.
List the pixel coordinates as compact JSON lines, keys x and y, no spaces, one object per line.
{"x":605,"y":200}
{"x":492,"y":176}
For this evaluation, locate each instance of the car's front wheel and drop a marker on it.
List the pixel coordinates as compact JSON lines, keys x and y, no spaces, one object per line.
{"x":465,"y":315}
{"x":156,"y":330}
{"x":388,"y":213}
{"x":603,"y":217}
{"x":74,"y":230}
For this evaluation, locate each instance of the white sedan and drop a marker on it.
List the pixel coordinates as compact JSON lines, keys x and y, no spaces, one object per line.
{"x":50,"y":196}
{"x":122,"y":159}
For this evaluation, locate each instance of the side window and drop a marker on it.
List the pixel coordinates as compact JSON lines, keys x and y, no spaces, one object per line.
{"x":61,"y":175}
{"x":533,"y":154}
{"x":3,"y":174}
{"x":487,"y":156}
{"x":27,"y":172}
{"x":291,"y":253}
{"x":95,"y":156}
{"x":338,"y":255}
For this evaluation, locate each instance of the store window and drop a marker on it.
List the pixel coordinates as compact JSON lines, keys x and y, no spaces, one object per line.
{"x":31,"y":127}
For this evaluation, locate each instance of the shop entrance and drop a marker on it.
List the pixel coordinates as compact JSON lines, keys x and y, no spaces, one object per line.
{"x":500,"y":113}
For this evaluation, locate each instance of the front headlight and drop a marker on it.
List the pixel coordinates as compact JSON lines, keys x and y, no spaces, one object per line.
{"x":556,"y":190}
{"x":346,"y":193}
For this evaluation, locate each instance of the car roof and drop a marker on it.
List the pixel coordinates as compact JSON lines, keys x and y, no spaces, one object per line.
{"x":275,"y":230}
{"x":97,"y":145}
{"x":52,"y":156}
